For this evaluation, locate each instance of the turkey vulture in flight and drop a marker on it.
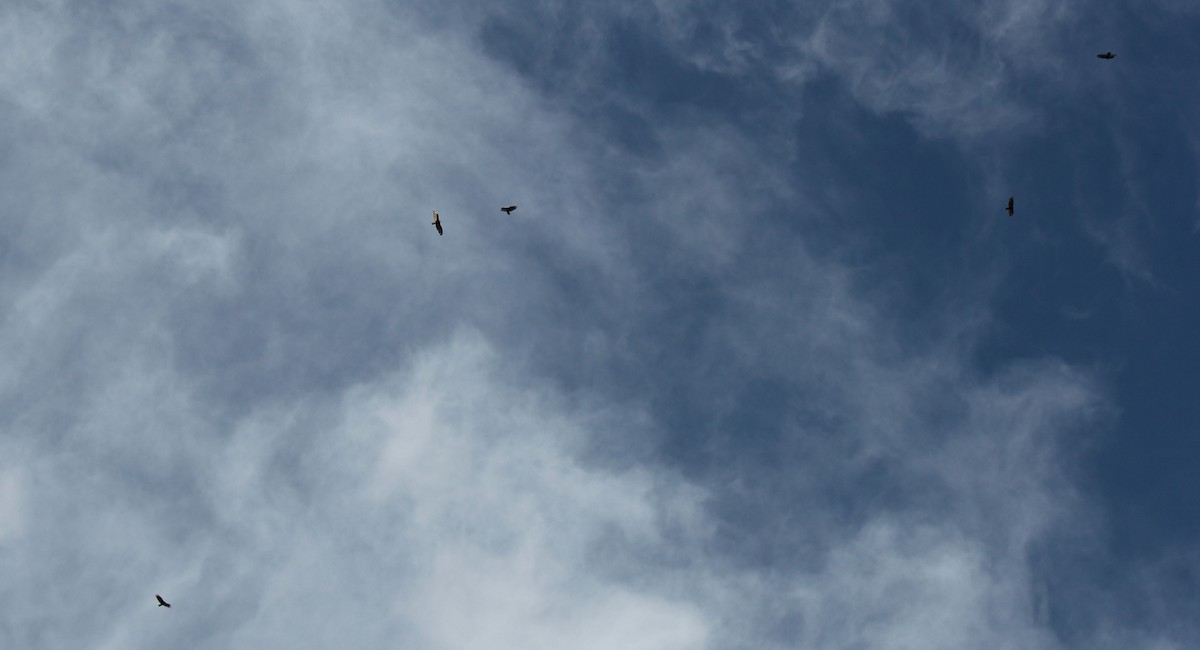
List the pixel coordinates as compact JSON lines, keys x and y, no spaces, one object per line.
{"x":1010,"y":206}
{"x":509,"y":209}
{"x":1106,"y":55}
{"x":161,"y":602}
{"x":437,"y":223}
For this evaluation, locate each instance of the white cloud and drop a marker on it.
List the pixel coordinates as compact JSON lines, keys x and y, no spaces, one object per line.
{"x":507,"y":523}
{"x":873,"y":48}
{"x":449,"y":504}
{"x":904,"y":586}
{"x":12,"y":503}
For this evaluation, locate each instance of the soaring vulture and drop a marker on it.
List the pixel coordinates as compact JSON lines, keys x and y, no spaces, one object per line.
{"x":1010,"y":206}
{"x":161,"y":602}
{"x":437,"y":223}
{"x":509,"y":209}
{"x":1106,"y":55}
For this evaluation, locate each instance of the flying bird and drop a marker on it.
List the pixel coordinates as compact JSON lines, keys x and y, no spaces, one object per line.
{"x":437,"y":223}
{"x":1010,"y":206}
{"x":161,"y":602}
{"x":509,"y":209}
{"x":1106,"y":55}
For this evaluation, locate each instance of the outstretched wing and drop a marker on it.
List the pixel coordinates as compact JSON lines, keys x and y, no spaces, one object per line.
{"x":1010,"y":205}
{"x":161,"y":602}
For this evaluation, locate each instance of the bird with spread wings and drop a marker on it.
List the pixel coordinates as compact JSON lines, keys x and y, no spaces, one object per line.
{"x":1106,"y":55}
{"x":437,"y":223}
{"x":1010,"y":206}
{"x":509,"y":209}
{"x":161,"y":602}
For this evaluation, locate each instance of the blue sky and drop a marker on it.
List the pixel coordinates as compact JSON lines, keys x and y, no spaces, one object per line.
{"x":758,"y":362}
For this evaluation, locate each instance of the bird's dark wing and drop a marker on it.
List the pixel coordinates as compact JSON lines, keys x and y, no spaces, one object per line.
{"x":438,"y":225}
{"x":161,"y":601}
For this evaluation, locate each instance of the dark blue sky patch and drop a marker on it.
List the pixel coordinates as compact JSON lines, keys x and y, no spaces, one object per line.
{"x":1108,"y":188}
{"x":901,"y":210}
{"x":642,"y":68}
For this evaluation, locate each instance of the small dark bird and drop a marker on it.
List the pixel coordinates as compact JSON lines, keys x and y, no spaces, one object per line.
{"x":1010,"y":206}
{"x":509,"y":209}
{"x":161,"y":602}
{"x":437,"y":223}
{"x":1106,"y":55}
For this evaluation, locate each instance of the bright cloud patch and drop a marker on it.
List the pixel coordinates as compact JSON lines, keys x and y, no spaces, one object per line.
{"x":510,"y":528}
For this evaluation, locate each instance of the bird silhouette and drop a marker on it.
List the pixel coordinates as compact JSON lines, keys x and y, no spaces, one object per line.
{"x":1106,"y":55}
{"x":161,"y":602}
{"x":437,"y":223}
{"x":1010,"y":206}
{"x":509,"y":209}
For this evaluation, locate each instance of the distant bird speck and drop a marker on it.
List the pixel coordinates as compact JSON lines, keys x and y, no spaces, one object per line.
{"x":161,"y":602}
{"x":1010,"y":206}
{"x":1106,"y":55}
{"x":509,"y":209}
{"x":437,"y":223}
